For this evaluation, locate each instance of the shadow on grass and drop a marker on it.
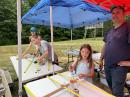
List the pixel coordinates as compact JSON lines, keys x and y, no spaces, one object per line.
{"x":14,"y":90}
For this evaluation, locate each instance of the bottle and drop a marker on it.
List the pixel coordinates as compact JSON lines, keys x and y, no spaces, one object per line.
{"x":73,"y":86}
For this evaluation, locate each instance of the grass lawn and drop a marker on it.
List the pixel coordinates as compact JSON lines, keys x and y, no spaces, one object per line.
{"x":7,"y":51}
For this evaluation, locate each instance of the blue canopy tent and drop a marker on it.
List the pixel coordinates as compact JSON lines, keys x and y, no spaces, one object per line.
{"x":66,"y":14}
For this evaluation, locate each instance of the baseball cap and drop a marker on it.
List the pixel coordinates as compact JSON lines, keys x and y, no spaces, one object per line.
{"x":33,"y":29}
{"x":115,"y":6}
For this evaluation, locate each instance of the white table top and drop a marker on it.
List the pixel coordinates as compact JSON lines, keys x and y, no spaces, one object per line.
{"x":96,"y":56}
{"x":73,"y":52}
{"x":35,"y":71}
{"x":43,"y":87}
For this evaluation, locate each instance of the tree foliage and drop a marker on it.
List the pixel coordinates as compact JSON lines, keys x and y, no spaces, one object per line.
{"x":8,"y":22}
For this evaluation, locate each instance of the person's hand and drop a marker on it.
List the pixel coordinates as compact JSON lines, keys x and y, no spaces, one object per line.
{"x":101,"y":64}
{"x":40,"y":59}
{"x":71,"y":68}
{"x":82,"y":75}
{"x":23,"y":56}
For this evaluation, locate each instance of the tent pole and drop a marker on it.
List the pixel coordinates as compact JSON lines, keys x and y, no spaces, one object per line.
{"x":102,"y":29}
{"x":85,"y":34}
{"x":71,"y":35}
{"x":51,"y":25}
{"x":19,"y":30}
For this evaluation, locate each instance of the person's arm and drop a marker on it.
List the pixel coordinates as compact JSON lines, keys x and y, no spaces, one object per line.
{"x":124,"y":63}
{"x":91,"y":71}
{"x":73,"y":66}
{"x":91,"y":74}
{"x":101,"y":57}
{"x":36,"y":52}
{"x":102,"y":52}
{"x":45,"y":55}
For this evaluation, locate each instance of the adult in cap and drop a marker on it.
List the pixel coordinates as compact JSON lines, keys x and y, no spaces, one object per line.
{"x":116,"y":51}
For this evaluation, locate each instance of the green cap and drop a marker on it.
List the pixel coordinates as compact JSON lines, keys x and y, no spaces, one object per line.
{"x":33,"y":29}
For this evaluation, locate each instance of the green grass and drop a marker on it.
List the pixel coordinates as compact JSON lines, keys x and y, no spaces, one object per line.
{"x":7,"y":51}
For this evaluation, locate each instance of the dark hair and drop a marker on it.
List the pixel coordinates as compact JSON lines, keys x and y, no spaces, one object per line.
{"x":90,"y":60}
{"x":119,"y":7}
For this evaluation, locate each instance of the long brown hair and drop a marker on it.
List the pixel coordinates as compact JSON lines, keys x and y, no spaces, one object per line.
{"x":90,"y":60}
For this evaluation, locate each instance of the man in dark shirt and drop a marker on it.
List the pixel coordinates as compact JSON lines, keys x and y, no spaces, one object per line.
{"x":116,"y":52}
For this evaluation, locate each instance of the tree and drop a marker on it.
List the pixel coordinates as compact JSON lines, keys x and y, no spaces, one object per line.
{"x":32,"y":2}
{"x":7,"y":21}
